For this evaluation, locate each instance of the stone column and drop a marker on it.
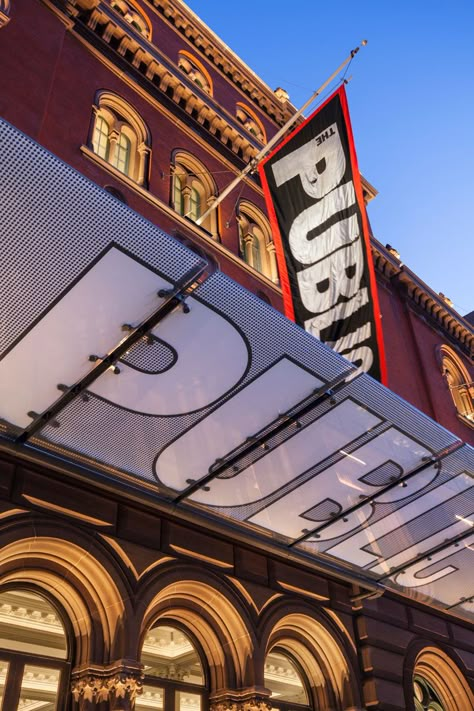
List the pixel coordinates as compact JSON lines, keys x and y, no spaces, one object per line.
{"x":251,"y":699}
{"x":143,"y":154}
{"x":273,"y":263}
{"x":114,"y":136}
{"x":186,"y":196}
{"x":212,"y":219}
{"x":248,"y":242}
{"x":109,"y":688}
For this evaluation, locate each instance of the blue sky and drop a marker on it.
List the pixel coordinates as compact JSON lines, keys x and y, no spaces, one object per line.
{"x":411,"y":100}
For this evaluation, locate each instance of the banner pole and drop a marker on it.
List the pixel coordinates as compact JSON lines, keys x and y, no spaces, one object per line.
{"x":254,"y":162}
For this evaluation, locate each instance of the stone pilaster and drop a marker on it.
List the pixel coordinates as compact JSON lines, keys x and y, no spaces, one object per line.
{"x":271,"y":249}
{"x":248,"y":254}
{"x":251,"y":699}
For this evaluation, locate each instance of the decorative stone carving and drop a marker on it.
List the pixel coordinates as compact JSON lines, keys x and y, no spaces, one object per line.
{"x":123,"y":689}
{"x":282,"y":95}
{"x":253,"y":699}
{"x":117,"y":684}
{"x":142,"y":55}
{"x":4,"y":12}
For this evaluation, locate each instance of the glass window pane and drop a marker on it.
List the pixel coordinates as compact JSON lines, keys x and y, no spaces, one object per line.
{"x":194,"y":205}
{"x":39,"y":689}
{"x":100,"y":139}
{"x":168,"y":653}
{"x":122,"y":154}
{"x":3,"y":677}
{"x":152,"y":697}
{"x":187,"y":702}
{"x":29,"y":623}
{"x":178,"y":195}
{"x":256,"y":257}
{"x":284,"y":679}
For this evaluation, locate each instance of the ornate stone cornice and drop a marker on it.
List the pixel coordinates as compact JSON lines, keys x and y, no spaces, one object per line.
{"x":251,"y":699}
{"x":100,"y":18}
{"x":433,"y":305}
{"x":274,"y":103}
{"x":368,"y":189}
{"x":118,"y":683}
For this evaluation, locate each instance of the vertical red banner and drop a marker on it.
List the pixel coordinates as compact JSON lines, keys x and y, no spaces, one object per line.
{"x":314,"y":197}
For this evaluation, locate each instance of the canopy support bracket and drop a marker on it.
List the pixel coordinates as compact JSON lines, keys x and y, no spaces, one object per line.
{"x":174,"y":297}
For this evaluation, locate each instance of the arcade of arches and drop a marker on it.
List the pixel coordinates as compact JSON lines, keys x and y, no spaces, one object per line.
{"x":95,"y":622}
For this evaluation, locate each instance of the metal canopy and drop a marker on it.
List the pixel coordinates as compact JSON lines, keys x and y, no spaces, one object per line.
{"x":115,"y":350}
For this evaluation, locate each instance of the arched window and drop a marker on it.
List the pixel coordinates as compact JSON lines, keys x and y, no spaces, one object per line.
{"x":34,"y":653}
{"x":286,"y":680}
{"x":195,"y":70}
{"x":133,"y":15}
{"x":255,"y":240}
{"x":307,"y":666}
{"x":425,"y":697}
{"x":436,"y":683}
{"x":120,"y":137}
{"x":100,"y":138}
{"x":459,"y":383}
{"x":193,"y":191}
{"x":175,"y":679}
{"x":251,"y":122}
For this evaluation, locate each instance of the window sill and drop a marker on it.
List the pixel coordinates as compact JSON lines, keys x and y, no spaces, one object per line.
{"x":466,"y":421}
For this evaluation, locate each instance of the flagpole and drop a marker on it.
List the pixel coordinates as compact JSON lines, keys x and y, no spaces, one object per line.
{"x":256,"y":159}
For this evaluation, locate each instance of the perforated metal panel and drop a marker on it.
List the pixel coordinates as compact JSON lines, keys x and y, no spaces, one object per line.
{"x":150,"y":355}
{"x":54,"y":224}
{"x":225,"y":406}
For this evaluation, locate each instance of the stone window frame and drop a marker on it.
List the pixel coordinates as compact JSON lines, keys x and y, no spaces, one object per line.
{"x":441,"y":673}
{"x":134,"y":15}
{"x":255,"y":236}
{"x":122,"y":120}
{"x":429,"y":700}
{"x":193,"y":178}
{"x":459,"y":383}
{"x":321,"y":652}
{"x":250,"y":122}
{"x":196,"y":71}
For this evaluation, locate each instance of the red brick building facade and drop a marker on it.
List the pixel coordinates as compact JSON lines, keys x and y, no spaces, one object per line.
{"x":145,"y":101}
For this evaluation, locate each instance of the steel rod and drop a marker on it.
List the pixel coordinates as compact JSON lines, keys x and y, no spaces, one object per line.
{"x":254,"y":162}
{"x":172,"y":300}
{"x":434,"y":459}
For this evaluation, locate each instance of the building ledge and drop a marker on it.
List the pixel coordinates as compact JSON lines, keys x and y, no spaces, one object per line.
{"x":427,"y":300}
{"x":110,"y":26}
{"x":216,"y":51}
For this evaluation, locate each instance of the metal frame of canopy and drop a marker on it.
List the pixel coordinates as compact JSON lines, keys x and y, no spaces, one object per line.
{"x":233,"y":413}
